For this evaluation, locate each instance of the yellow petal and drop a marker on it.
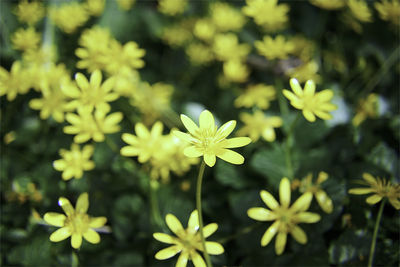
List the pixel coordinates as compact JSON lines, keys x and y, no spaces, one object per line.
{"x":210,"y":159}
{"x":230,"y":156}
{"x":307,"y":217}
{"x":322,"y":177}
{"x":369,"y":178}
{"x":289,"y":95}
{"x":56,"y":219}
{"x":193,"y":222}
{"x":66,"y":206}
{"x":270,"y":233}
{"x":76,"y":240}
{"x":280,"y":242}
{"x":141,"y":130}
{"x":189,"y":124}
{"x":284,"y":192}
{"x":59,"y":165}
{"x":299,"y":235}
{"x":261,"y":214}
{"x":129,"y":151}
{"x":294,"y":84}
{"x":236,"y":142}
{"x":82,"y":138}
{"x":167,"y":253}
{"x":130,"y":139}
{"x":206,"y":120}
{"x":192,"y":152}
{"x":95,"y":79}
{"x":197,"y":260}
{"x":309,"y":88}
{"x":82,"y":204}
{"x":183,"y":259}
{"x":226,"y":129}
{"x":60,"y":234}
{"x":164,"y":238}
{"x":209,"y":229}
{"x":361,"y":191}
{"x":302,"y":203}
{"x":214,"y":248}
{"x":157,"y":129}
{"x":269,"y":200}
{"x":395,"y":203}
{"x":309,"y":115}
{"x":325,"y":95}
{"x":183,"y":136}
{"x":269,"y":134}
{"x":374,"y":199}
{"x":92,"y":236}
{"x":81,"y":81}
{"x":324,"y":201}
{"x":97,"y":222}
{"x":174,"y":224}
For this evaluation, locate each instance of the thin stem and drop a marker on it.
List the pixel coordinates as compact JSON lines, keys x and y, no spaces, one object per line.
{"x":288,"y":148}
{"x":198,"y":206}
{"x":155,"y":209}
{"x":74,"y":259}
{"x":112,"y":145}
{"x":378,"y":220}
{"x":245,"y":230}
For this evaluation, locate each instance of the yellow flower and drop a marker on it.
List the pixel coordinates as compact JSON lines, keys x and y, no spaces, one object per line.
{"x":236,"y":71}
{"x":13,"y":82}
{"x":286,"y":218}
{"x":274,"y":49}
{"x":120,"y":56}
{"x":145,"y":143}
{"x":360,"y":10}
{"x":328,"y":4}
{"x":304,"y":48}
{"x":95,"y":7}
{"x":91,"y":94}
{"x":172,"y":7}
{"x":258,"y":95}
{"x":367,"y":108}
{"x":87,"y":125}
{"x":126,"y":82}
{"x":226,"y":47}
{"x":176,"y":35}
{"x":226,"y":18}
{"x":38,"y":57}
{"x":23,"y":190}
{"x":204,"y":29}
{"x":29,"y":12}
{"x":304,"y":72}
{"x":258,"y":124}
{"x":25,"y":39}
{"x":69,"y":16}
{"x":267,"y":13}
{"x":312,"y":104}
{"x":187,"y":241}
{"x":125,"y":4}
{"x":380,"y":188}
{"x":389,"y":10}
{"x":76,"y":224}
{"x":199,"y":53}
{"x":307,"y":185}
{"x":210,"y":142}
{"x":74,"y":161}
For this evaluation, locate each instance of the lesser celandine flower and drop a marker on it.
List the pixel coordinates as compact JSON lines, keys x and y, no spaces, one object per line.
{"x":328,"y":4}
{"x":29,"y":12}
{"x":210,"y":142}
{"x":367,"y":108}
{"x":25,"y":39}
{"x":172,"y":7}
{"x":226,"y":47}
{"x":69,"y":16}
{"x":236,"y":71}
{"x":76,"y":224}
{"x":277,"y":48}
{"x":13,"y":82}
{"x":125,"y":4}
{"x":257,"y":125}
{"x":286,"y":217}
{"x":304,"y":72}
{"x":187,"y":241}
{"x":127,"y":55}
{"x":226,"y":18}
{"x":307,"y":185}
{"x":74,"y":162}
{"x":176,"y":35}
{"x":258,"y":95}
{"x":199,"y":53}
{"x":380,"y":188}
{"x":389,"y":10}
{"x":204,"y":29}
{"x":311,"y":103}
{"x":95,"y":7}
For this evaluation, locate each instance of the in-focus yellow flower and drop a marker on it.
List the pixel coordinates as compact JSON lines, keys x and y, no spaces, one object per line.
{"x":380,"y":188}
{"x":307,"y":185}
{"x":328,"y":4}
{"x":226,"y":47}
{"x":125,"y":4}
{"x":367,"y":108}
{"x":204,"y":29}
{"x":311,"y":103}
{"x":74,"y":162}
{"x":360,"y":10}
{"x":76,"y":224}
{"x":172,"y":7}
{"x":226,"y":18}
{"x":199,"y":53}
{"x":69,"y":16}
{"x":29,"y":12}
{"x":92,"y":125}
{"x":304,"y":72}
{"x":145,"y":143}
{"x":13,"y":82}
{"x":210,"y":142}
{"x":120,"y":56}
{"x":91,"y":94}
{"x":95,"y":7}
{"x":25,"y":39}
{"x":267,"y":13}
{"x":187,"y":241}
{"x":286,"y":217}
{"x":277,"y":48}
{"x":389,"y":10}
{"x":259,"y":95}
{"x":236,"y":71}
{"x":257,"y":124}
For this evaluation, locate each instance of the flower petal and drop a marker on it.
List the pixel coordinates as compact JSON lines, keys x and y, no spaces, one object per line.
{"x":214,"y":248}
{"x":192,"y":152}
{"x":76,"y":240}
{"x":197,"y":260}
{"x":270,"y":233}
{"x":210,"y":159}
{"x":369,"y":178}
{"x":92,"y":236}
{"x":308,"y":115}
{"x":56,"y":219}
{"x":189,"y":124}
{"x":374,"y":199}
{"x":141,"y":130}
{"x":299,"y":235}
{"x":183,"y":259}
{"x":174,"y":224}
{"x":236,"y":142}
{"x":269,"y":200}
{"x":361,"y":191}
{"x":164,"y":238}
{"x":60,"y":234}
{"x":82,"y":204}
{"x":183,"y":136}
{"x":66,"y":206}
{"x":193,"y":222}
{"x":309,"y":88}
{"x":289,"y":95}
{"x":81,"y":81}
{"x":307,"y":217}
{"x":209,"y":229}
{"x":130,"y":139}
{"x":324,"y":201}
{"x":206,"y":120}
{"x":129,"y":151}
{"x":167,"y":253}
{"x":97,"y":222}
{"x":302,"y":203}
{"x":226,"y":129}
{"x":230,"y":156}
{"x":95,"y":79}
{"x":284,"y":192}
{"x":261,"y":214}
{"x":280,"y":242}
{"x":295,"y":85}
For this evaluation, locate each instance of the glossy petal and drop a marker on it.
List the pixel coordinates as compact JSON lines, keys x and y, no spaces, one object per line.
{"x":210,"y":159}
{"x":299,"y":235}
{"x":324,"y":201}
{"x":183,"y":136}
{"x":307,"y":217}
{"x":60,"y":234}
{"x":284,"y":192}
{"x":361,"y":191}
{"x":174,"y":224}
{"x":214,"y":248}
{"x":92,"y":236}
{"x":230,"y":156}
{"x":309,"y":88}
{"x":82,"y":204}
{"x":81,"y":81}
{"x":193,"y":222}
{"x":206,"y":120}
{"x":167,"y":253}
{"x":261,"y":214}
{"x":97,"y":222}
{"x":66,"y":206}
{"x":197,"y":259}
{"x":209,"y":229}
{"x":130,"y":139}
{"x":270,"y":233}
{"x":269,"y":200}
{"x":309,"y":115}
{"x":76,"y":240}
{"x":294,"y":84}
{"x":280,"y":243}
{"x":56,"y":219}
{"x":236,"y":142}
{"x":141,"y":130}
{"x":289,"y":95}
{"x":129,"y":151}
{"x":374,"y":199}
{"x":226,"y":129}
{"x":183,"y":259}
{"x":189,"y":124}
{"x":164,"y":238}
{"x":302,"y":203}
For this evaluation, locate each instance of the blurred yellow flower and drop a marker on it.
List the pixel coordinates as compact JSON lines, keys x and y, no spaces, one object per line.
{"x":172,"y":7}
{"x":69,"y":16}
{"x":125,"y":4}
{"x":257,"y":124}
{"x":74,"y":162}
{"x":226,"y":47}
{"x":9,"y":137}
{"x":226,"y":17}
{"x":360,"y":10}
{"x":199,"y":53}
{"x":328,"y":4}
{"x":367,"y":108}
{"x":92,"y":125}
{"x":259,"y":95}
{"x":236,"y":71}
{"x":127,"y":55}
{"x":311,"y":103}
{"x":277,"y":48}
{"x":13,"y":82}
{"x":210,"y":142}
{"x":380,"y":188}
{"x":187,"y":241}
{"x":176,"y":35}
{"x":95,"y":7}
{"x":304,"y":72}
{"x":267,"y":13}
{"x":23,"y":190}
{"x":304,"y":48}
{"x":76,"y":224}
{"x":40,"y":56}
{"x":286,"y":218}
{"x":126,"y":82}
{"x":204,"y":29}
{"x":307,"y":185}
{"x":389,"y":10}
{"x":25,"y":39}
{"x":29,"y":12}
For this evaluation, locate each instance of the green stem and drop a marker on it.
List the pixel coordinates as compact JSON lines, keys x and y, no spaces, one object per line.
{"x":74,"y":259}
{"x":198,"y":206}
{"x":245,"y":230}
{"x":112,"y":145}
{"x":288,"y":148}
{"x":155,"y":209}
{"x":378,"y":220}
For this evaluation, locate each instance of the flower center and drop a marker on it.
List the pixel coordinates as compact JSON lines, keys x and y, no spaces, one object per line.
{"x":78,"y":223}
